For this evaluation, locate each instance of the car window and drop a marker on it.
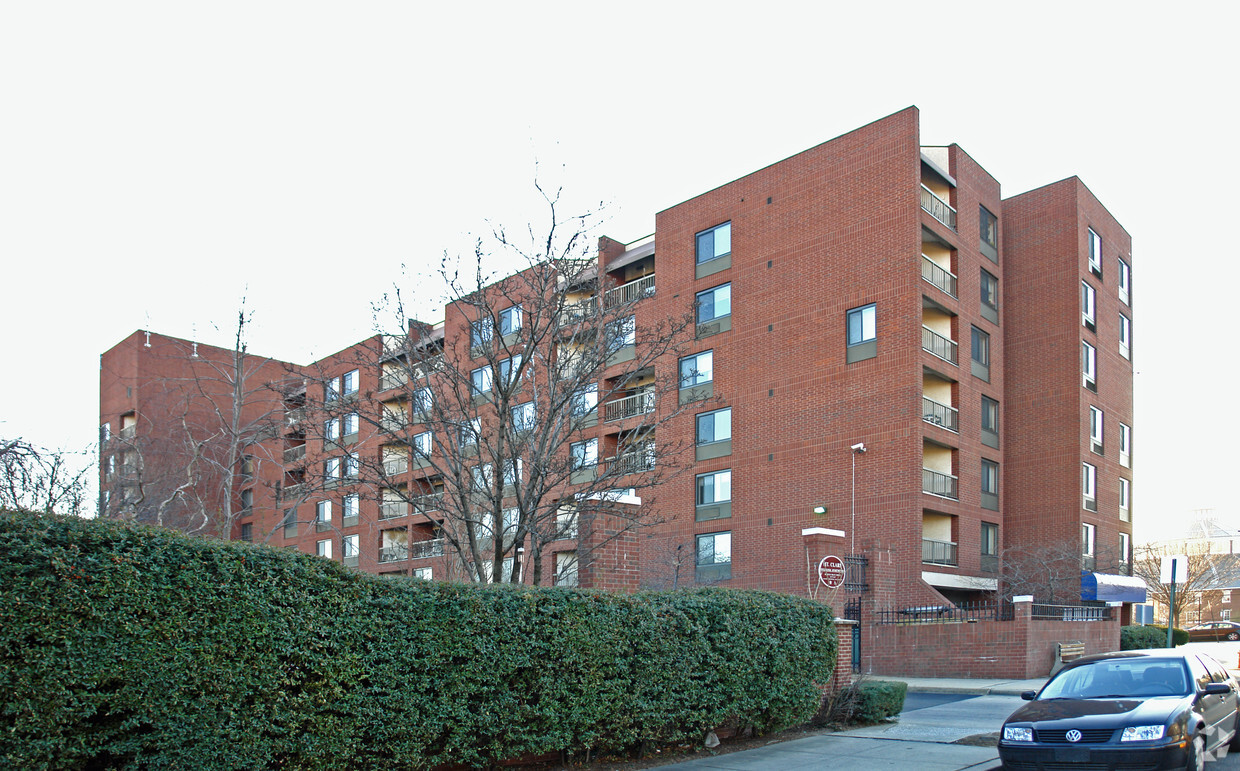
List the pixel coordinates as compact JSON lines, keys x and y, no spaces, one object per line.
{"x":1201,"y":676}
{"x":1137,"y":676}
{"x":1217,"y":673}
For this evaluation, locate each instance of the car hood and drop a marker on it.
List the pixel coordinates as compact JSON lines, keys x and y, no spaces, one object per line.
{"x":1147,"y":711}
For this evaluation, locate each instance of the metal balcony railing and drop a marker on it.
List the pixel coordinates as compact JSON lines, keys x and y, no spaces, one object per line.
{"x":128,"y":432}
{"x":393,"y":424}
{"x":294,"y":454}
{"x":390,"y":380}
{"x":393,"y":466}
{"x":937,"y":275}
{"x":579,"y":311}
{"x":938,"y":552}
{"x":392,"y":509}
{"x":630,"y":292}
{"x":431,"y":548}
{"x":295,"y":416}
{"x":940,"y":414}
{"x":939,"y":209}
{"x":428,"y":502}
{"x":633,"y":461}
{"x":629,"y":406}
{"x":394,"y":553}
{"x":938,"y":483}
{"x":940,"y":346}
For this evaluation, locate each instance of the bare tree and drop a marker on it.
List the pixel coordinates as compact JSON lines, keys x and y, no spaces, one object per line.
{"x":1194,"y":581}
{"x":1051,"y":572}
{"x":489,"y":423}
{"x":33,"y":478}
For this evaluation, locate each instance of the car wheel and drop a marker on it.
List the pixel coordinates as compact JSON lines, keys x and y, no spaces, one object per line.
{"x":1233,"y":636}
{"x":1197,"y":754}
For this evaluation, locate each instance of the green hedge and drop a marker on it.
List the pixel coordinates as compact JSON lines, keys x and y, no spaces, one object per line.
{"x":1149,"y":636}
{"x":878,"y":700}
{"x":135,"y":647}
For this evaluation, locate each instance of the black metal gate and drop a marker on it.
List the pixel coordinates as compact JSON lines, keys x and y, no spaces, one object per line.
{"x":852,"y":612}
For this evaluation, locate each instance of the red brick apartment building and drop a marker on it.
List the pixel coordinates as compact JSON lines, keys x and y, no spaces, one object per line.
{"x":901,"y":365}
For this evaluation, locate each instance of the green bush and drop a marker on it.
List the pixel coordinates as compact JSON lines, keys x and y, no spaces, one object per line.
{"x":137,"y":647}
{"x":1150,"y":636}
{"x":865,"y":702}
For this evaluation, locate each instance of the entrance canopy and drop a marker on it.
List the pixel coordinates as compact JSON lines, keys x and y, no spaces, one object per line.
{"x":1104,"y":587}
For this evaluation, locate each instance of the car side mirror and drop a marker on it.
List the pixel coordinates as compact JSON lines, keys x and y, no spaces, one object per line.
{"x":1028,"y":695}
{"x":1218,"y":689}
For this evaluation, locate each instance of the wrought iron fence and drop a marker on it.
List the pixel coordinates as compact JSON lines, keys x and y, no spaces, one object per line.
{"x":854,"y":574}
{"x":937,"y":614}
{"x":1072,"y":612}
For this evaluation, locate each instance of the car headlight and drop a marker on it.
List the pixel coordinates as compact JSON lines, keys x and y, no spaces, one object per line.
{"x":1143,"y":733}
{"x":1013,"y":733}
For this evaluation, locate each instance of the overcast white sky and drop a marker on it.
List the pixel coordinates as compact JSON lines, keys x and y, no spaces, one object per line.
{"x":160,"y":160}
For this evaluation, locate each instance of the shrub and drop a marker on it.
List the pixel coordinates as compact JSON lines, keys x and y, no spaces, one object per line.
{"x":865,"y":702}
{"x":1150,"y":636}
{"x":131,"y":646}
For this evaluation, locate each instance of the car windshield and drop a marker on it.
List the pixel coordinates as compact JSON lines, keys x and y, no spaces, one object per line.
{"x":1136,"y":677}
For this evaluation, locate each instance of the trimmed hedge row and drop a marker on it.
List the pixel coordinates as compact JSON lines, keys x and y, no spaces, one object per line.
{"x":878,"y":700}
{"x":1149,"y":636}
{"x":126,"y":646}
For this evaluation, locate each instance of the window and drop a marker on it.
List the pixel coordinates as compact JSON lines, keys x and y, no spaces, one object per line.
{"x":714,"y":243}
{"x":566,"y":568}
{"x":351,"y":506}
{"x":1125,"y":493}
{"x":247,"y":531}
{"x":1125,"y":337}
{"x":351,"y":424}
{"x":331,"y":390}
{"x":1088,"y":533}
{"x":1225,"y":614}
{"x":697,"y":369}
{"x":1089,"y":366}
{"x":714,"y":426}
{"x":862,"y":325}
{"x":1095,"y":252}
{"x":480,"y":332}
{"x":422,"y":401}
{"x":714,"y":495}
{"x":1125,"y":445}
{"x":247,"y":501}
{"x":324,"y":548}
{"x":1095,"y":430}
{"x":584,"y":454}
{"x":331,"y":471}
{"x":509,"y":369}
{"x":714,"y":556}
{"x":990,"y":539}
{"x":480,"y":380}
{"x":1089,"y":486}
{"x":990,"y":295}
{"x":349,"y":546}
{"x":714,"y":304}
{"x":990,"y":485}
{"x":290,"y":523}
{"x":422,"y":573}
{"x":980,"y":352}
{"x":331,"y":429}
{"x":1125,"y":279}
{"x":509,"y":321}
{"x":350,"y":382}
{"x":990,"y":422}
{"x":988,"y":233}
{"x":512,"y":472}
{"x":1226,"y":595}
{"x":523,"y":417}
{"x":585,"y":401}
{"x":620,"y":333}
{"x":323,"y":512}
{"x":482,"y":477}
{"x":470,"y":432}
{"x":423,"y":443}
{"x":352,"y":465}
{"x":1125,"y":548}
{"x":1088,"y":307}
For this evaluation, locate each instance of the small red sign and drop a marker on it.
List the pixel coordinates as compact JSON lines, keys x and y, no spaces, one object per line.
{"x":831,"y":571}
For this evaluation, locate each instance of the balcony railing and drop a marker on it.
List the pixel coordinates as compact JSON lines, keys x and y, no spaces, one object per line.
{"x":394,"y":553}
{"x":938,"y":483}
{"x":940,"y":414}
{"x":938,"y":208}
{"x":393,"y":466}
{"x":295,"y":416}
{"x":393,"y":509}
{"x":128,"y":432}
{"x":294,"y":454}
{"x":938,"y":552}
{"x":629,"y":406}
{"x":393,"y":424}
{"x":633,"y":461}
{"x":940,"y":346}
{"x":390,"y":380}
{"x":937,"y":275}
{"x":431,"y":548}
{"x":428,"y":502}
{"x":630,"y":292}
{"x":294,"y":491}
{"x":575,"y":312}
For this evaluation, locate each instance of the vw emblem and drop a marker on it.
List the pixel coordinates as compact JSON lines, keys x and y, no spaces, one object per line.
{"x":1073,"y":735}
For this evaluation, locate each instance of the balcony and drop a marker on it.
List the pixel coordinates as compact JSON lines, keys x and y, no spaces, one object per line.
{"x":938,"y":483}
{"x":392,"y":423}
{"x":633,"y":461}
{"x":294,"y":491}
{"x":938,"y":552}
{"x":631,"y":292}
{"x":428,"y":502}
{"x":638,"y":404}
{"x":394,"y":466}
{"x":421,"y":549}
{"x":940,"y":277}
{"x":576,"y":312}
{"x":295,"y":416}
{"x":394,"y":553}
{"x":390,"y":380}
{"x":940,"y":414}
{"x":938,"y":208}
{"x":933,"y":342}
{"x":393,"y":509}
{"x":128,"y":432}
{"x":294,"y":454}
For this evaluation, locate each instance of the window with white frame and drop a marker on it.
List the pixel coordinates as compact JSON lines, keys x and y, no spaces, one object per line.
{"x":620,"y":333}
{"x":352,"y":423}
{"x":1125,"y":337}
{"x":523,"y":417}
{"x":480,"y":332}
{"x":331,"y":390}
{"x":331,"y":470}
{"x":1089,"y":366}
{"x":585,"y":400}
{"x":324,"y":548}
{"x":697,"y":369}
{"x":422,"y":573}
{"x":351,"y":381}
{"x":509,"y":369}
{"x":566,"y":568}
{"x":714,"y":556}
{"x":863,"y":324}
{"x":714,"y":304}
{"x":352,"y":465}
{"x":1125,"y":279}
{"x":1095,"y":430}
{"x":714,"y":426}
{"x":509,"y":320}
{"x":714,"y":487}
{"x":1095,"y":252}
{"x":471,"y":432}
{"x":423,"y":401}
{"x":350,"y":546}
{"x":1089,"y":486}
{"x":323,"y":512}
{"x":480,"y":380}
{"x":1088,"y":539}
{"x":331,"y":429}
{"x":1125,"y":548}
{"x":352,"y":505}
{"x":584,"y":454}
{"x":1125,"y":445}
{"x":1224,"y":614}
{"x":1088,"y":306}
{"x":714,"y":243}
{"x":482,"y":477}
{"x":1125,"y":494}
{"x":1226,"y":595}
{"x":423,"y":444}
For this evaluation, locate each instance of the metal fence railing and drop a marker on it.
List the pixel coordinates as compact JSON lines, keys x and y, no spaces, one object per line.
{"x":934,"y":614}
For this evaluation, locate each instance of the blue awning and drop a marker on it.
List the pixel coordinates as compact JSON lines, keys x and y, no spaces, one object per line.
{"x":1104,"y":587}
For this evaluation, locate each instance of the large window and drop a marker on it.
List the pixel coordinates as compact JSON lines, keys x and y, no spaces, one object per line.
{"x":1125,"y":503}
{"x":990,"y":296}
{"x":620,"y":333}
{"x":509,"y":370}
{"x":422,"y":401}
{"x":323,"y":512}
{"x":990,"y":539}
{"x":523,"y":417}
{"x":1125,"y":549}
{"x":714,"y":487}
{"x":350,"y":547}
{"x":862,"y":324}
{"x":1088,"y":539}
{"x":480,"y":380}
{"x":714,"y":426}
{"x":352,"y":465}
{"x":697,"y":369}
{"x":480,"y":332}
{"x":324,"y":548}
{"x":1125,"y":337}
{"x":471,"y":431}
{"x":509,"y":320}
{"x":988,"y":235}
{"x":1089,"y":366}
{"x":714,"y":243}
{"x":331,"y":390}
{"x":1088,"y":306}
{"x":714,"y":557}
{"x":331,"y":429}
{"x":1089,"y":486}
{"x":990,"y":485}
{"x":584,"y":454}
{"x":1125,"y":445}
{"x":423,"y":443}
{"x":990,"y":422}
{"x":714,"y":304}
{"x":1095,"y":430}
{"x":352,"y":504}
{"x":585,"y":401}
{"x":566,"y":568}
{"x":351,"y":381}
{"x":352,"y":423}
{"x":331,"y":471}
{"x":1125,"y":281}
{"x":1095,"y":252}
{"x":980,"y":352}
{"x":512,"y":472}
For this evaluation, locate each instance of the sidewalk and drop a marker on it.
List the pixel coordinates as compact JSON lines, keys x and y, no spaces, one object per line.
{"x":970,"y":685}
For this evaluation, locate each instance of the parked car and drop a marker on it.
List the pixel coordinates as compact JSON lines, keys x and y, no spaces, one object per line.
{"x":1214,"y":630}
{"x":1148,"y":709}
